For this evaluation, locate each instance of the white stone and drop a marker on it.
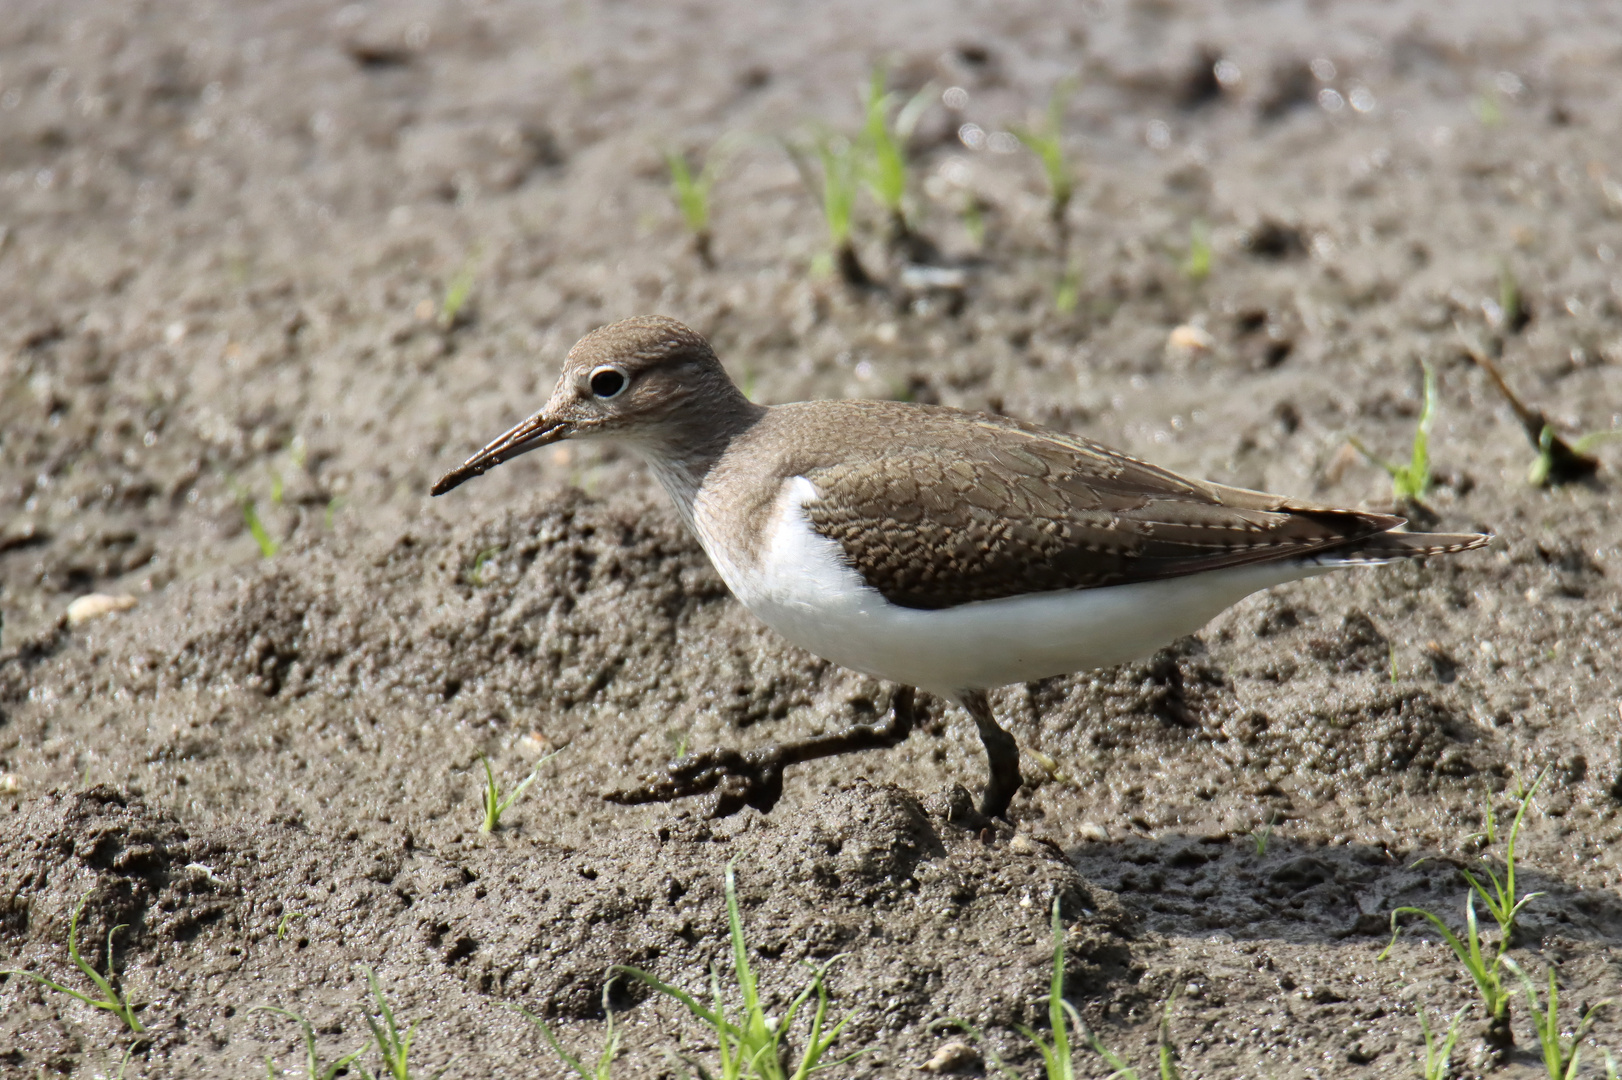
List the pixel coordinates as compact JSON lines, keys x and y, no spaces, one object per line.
{"x":95,"y":605}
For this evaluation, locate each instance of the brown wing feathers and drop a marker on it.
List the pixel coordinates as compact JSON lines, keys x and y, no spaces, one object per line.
{"x":991,"y":508}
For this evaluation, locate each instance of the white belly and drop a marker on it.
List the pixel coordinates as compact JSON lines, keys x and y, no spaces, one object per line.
{"x":804,"y":590}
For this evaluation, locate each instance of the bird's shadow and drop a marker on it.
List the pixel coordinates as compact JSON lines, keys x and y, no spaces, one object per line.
{"x":1191,"y":886}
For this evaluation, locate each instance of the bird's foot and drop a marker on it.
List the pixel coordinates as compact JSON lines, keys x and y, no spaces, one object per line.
{"x":737,"y":778}
{"x":740,"y":778}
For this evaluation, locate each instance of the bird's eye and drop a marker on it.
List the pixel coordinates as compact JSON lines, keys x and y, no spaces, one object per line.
{"x":607,"y":382}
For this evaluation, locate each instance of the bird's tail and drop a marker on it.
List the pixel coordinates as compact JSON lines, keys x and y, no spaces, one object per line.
{"x":1390,"y":546}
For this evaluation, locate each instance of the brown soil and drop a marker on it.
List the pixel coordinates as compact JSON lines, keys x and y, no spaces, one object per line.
{"x":227,"y":231}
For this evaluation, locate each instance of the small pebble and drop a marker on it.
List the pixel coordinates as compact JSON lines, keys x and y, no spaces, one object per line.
{"x":95,"y":605}
{"x":1188,"y":341}
{"x":953,"y":1057}
{"x":1094,"y":832}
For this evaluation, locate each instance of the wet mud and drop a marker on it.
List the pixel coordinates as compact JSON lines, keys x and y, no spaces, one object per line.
{"x":227,"y":236}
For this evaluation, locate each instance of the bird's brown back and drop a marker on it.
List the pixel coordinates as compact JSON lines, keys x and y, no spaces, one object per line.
{"x":936,"y":507}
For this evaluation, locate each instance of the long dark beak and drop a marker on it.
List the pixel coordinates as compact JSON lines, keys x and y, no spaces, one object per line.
{"x":537,"y":431}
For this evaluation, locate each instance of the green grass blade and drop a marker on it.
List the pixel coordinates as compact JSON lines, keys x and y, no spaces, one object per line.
{"x":1197,"y":267}
{"x":458,"y":291}
{"x":312,"y":1060}
{"x":1168,"y":1052}
{"x":1416,"y":478}
{"x":1470,"y":957}
{"x":491,"y":796}
{"x":887,"y":171}
{"x":111,"y":1000}
{"x":838,"y":187}
{"x":713,"y":1017}
{"x":691,"y":193}
{"x":1047,"y":143}
{"x":1057,"y":1018}
{"x":58,"y":987}
{"x":268,"y":546}
{"x":1584,"y":444}
{"x":557,"y":1048}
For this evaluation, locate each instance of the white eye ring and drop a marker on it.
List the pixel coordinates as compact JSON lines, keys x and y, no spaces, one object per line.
{"x":607,"y":382}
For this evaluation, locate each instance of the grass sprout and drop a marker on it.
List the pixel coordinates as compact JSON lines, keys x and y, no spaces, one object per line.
{"x":112,"y":1000}
{"x":1503,"y":902}
{"x":1511,"y":307}
{"x":494,"y":804}
{"x":1548,"y":462}
{"x":1165,"y":1054}
{"x":885,"y":143}
{"x":1046,"y":142}
{"x":1558,"y":461}
{"x":973,"y":215}
{"x":453,"y":309}
{"x":1058,"y":1056}
{"x":1067,"y":291}
{"x":835,"y":182}
{"x":1197,"y":267}
{"x":1260,"y":837}
{"x":268,"y":545}
{"x":691,"y":193}
{"x":1560,"y":1056}
{"x":394,"y":1047}
{"x":1412,"y":479}
{"x":313,"y":1069}
{"x":475,"y":576}
{"x":749,"y":1043}
{"x":283,"y":924}
{"x":602,"y":1069}
{"x":1439,"y":1046}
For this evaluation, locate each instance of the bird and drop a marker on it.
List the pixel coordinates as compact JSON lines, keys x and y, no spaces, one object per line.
{"x":938,"y":549}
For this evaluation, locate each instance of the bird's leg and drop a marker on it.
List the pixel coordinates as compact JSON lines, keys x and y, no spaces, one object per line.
{"x":742,"y":778}
{"x":1002,"y":755}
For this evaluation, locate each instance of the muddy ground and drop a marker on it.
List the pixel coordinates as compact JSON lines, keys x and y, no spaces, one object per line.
{"x":226,"y":235}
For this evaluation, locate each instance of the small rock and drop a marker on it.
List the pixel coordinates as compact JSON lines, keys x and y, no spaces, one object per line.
{"x":1093,"y":832}
{"x":1049,"y":765}
{"x":1187,"y":341}
{"x":95,"y":605}
{"x":917,"y":276}
{"x":9,"y":784}
{"x":953,"y":1057}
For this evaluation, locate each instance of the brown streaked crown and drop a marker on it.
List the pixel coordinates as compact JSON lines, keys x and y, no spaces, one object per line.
{"x":671,"y":378}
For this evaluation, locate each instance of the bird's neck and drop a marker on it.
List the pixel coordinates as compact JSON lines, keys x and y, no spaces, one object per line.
{"x":682,"y":451}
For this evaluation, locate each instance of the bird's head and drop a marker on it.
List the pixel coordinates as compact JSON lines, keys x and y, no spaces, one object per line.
{"x":647,"y":380}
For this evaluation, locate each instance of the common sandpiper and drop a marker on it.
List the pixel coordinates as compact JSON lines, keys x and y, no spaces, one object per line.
{"x":948,"y":551}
